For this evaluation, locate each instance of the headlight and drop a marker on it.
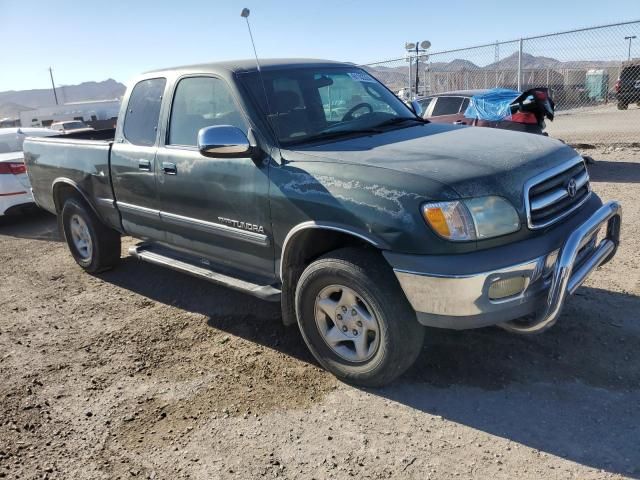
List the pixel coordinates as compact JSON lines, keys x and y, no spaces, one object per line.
{"x":472,"y":218}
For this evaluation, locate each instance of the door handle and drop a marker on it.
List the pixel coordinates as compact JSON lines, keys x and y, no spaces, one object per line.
{"x":459,"y":122}
{"x":169,"y":168}
{"x":144,"y":165}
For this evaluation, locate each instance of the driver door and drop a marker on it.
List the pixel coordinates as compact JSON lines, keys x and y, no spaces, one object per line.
{"x":213,"y":208}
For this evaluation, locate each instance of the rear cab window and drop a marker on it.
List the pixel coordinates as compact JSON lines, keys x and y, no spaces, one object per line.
{"x":143,"y":112}
{"x":630,"y":74}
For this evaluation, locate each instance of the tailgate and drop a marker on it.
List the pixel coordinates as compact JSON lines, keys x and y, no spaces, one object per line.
{"x":82,"y":164}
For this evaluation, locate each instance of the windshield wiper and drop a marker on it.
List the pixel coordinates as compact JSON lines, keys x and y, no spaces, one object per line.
{"x":339,"y":133}
{"x":399,"y":120}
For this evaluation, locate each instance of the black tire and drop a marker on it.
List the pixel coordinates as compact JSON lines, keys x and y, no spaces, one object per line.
{"x":622,"y":106}
{"x":370,"y":277}
{"x":105,"y":251}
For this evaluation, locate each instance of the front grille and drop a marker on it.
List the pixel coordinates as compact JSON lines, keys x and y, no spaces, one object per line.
{"x":556,"y":193}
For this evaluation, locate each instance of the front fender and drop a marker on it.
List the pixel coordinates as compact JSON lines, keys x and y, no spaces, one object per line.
{"x":375,"y":204}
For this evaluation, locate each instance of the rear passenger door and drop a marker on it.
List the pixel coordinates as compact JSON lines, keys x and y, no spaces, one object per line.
{"x":214,"y":208}
{"x":448,"y":109}
{"x":133,"y":168}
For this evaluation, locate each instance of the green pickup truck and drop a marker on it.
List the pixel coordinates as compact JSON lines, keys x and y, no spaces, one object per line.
{"x":309,"y":183}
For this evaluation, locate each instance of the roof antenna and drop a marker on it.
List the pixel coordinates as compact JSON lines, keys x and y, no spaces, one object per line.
{"x":245,"y":14}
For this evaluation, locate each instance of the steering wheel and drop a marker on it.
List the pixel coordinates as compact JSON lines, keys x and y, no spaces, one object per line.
{"x":349,"y":115}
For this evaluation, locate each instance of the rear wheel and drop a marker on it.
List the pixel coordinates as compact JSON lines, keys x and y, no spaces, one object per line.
{"x":94,"y":246}
{"x":355,"y":318}
{"x":622,"y":106}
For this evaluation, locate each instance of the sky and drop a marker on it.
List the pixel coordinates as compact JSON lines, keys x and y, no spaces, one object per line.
{"x":88,"y":40}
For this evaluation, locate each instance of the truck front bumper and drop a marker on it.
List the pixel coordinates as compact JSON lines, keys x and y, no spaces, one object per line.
{"x":534,"y":289}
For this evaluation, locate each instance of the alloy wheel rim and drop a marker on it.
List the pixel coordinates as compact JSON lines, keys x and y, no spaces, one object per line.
{"x":347,"y":323}
{"x":81,"y":237}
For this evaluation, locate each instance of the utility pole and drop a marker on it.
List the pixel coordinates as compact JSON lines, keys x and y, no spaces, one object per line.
{"x":630,"y":38}
{"x":55,"y":95}
{"x":520,"y":65}
{"x":417,"y":68}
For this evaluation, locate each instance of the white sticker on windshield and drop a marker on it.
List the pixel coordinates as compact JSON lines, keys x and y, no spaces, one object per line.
{"x":362,"y":77}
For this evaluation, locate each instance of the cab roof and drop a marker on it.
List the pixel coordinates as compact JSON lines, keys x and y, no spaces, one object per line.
{"x":249,"y":65}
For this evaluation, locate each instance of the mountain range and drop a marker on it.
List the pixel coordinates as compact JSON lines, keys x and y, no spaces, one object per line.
{"x":13,"y":102}
{"x":529,"y":62}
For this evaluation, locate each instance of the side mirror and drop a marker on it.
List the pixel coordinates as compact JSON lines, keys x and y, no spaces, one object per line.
{"x":416,"y":107}
{"x":223,"y":141}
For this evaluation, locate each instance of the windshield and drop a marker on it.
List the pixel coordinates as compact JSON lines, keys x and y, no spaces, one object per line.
{"x":313,"y":103}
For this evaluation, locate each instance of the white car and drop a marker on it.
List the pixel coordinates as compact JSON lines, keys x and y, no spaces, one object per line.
{"x":15,"y":189}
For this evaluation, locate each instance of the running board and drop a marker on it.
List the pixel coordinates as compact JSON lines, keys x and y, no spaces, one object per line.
{"x":146,"y":253}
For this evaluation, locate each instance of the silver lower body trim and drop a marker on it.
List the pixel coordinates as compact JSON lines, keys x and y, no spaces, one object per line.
{"x":462,"y":301}
{"x":189,"y":222}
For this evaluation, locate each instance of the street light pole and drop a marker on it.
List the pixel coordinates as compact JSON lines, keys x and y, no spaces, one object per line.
{"x":630,"y":38}
{"x":418,"y":47}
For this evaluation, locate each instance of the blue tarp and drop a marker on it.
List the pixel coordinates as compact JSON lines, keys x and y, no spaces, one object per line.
{"x":493,"y":106}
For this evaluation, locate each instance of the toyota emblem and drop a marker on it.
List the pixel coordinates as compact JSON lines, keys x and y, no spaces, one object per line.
{"x":572,"y":188}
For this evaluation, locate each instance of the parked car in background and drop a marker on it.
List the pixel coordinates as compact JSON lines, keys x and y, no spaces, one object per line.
{"x":15,"y":190}
{"x":525,"y":112}
{"x":627,"y":87}
{"x":70,"y":126}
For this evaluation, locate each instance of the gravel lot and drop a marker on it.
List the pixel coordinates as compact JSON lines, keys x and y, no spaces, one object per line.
{"x":141,"y":372}
{"x":597,"y":125}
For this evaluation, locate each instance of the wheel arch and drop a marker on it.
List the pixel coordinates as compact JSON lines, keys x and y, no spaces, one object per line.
{"x":307,"y":241}
{"x":63,"y":188}
{"x":294,"y":246}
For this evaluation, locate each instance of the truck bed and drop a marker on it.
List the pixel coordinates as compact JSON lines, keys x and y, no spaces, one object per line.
{"x":107,"y":134}
{"x":80,"y":159}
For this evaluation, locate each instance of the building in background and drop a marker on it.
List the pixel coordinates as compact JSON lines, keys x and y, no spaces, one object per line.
{"x":97,"y":113}
{"x":8,"y":122}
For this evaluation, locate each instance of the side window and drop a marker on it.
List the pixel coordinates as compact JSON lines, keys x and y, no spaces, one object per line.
{"x":143,"y":111}
{"x":201,"y":102}
{"x":447,"y":106}
{"x":465,"y":105}
{"x":424,"y":103}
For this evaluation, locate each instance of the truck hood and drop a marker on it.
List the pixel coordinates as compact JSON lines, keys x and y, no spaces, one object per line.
{"x":473,"y":161}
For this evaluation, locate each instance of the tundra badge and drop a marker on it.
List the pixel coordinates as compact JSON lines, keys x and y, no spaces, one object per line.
{"x":243,"y":225}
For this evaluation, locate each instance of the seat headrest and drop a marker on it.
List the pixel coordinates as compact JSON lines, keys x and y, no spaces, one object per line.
{"x":285,"y":101}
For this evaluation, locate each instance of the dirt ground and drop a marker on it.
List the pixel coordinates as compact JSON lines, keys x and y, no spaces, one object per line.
{"x":600,"y":124}
{"x":141,"y":372}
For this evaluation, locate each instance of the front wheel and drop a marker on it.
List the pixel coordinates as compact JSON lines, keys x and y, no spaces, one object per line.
{"x":622,"y":106}
{"x":355,"y":318}
{"x":94,"y":246}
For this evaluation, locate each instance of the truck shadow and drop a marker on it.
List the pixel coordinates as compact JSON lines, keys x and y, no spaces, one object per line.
{"x":34,"y":224}
{"x":573,"y":392}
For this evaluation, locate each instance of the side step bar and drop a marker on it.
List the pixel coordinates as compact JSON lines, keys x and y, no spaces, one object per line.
{"x":146,"y":253}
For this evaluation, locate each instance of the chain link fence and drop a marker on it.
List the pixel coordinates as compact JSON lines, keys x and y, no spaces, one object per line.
{"x":581,"y":67}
